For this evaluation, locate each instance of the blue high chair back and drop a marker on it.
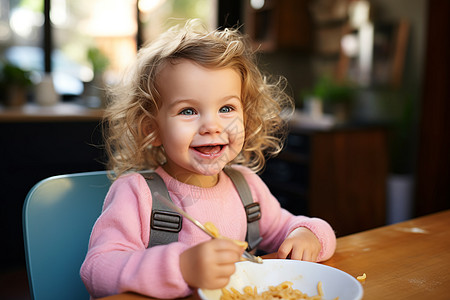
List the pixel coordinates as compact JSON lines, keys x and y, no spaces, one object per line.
{"x":58,"y":216}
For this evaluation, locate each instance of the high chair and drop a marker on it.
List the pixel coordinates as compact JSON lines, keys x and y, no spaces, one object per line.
{"x":58,"y":215}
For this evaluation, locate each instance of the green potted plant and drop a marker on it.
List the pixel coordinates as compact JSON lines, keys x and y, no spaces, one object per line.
{"x":94,"y":90}
{"x":14,"y":84}
{"x":335,"y":96}
{"x":98,"y":60}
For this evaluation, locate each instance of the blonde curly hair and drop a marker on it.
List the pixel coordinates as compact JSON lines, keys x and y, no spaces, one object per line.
{"x":130,"y":126}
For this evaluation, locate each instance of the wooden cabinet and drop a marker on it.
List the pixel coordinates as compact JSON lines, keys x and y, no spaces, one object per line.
{"x":337,"y":174}
{"x":38,"y":142}
{"x":279,"y":24}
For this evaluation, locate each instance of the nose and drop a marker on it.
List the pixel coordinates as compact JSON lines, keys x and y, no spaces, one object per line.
{"x":210,"y":125}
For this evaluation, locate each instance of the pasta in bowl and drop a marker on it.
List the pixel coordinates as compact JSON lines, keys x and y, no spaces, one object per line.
{"x":288,"y":279}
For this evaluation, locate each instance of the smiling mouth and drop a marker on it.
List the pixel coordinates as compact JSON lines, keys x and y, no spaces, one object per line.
{"x":209,"y":150}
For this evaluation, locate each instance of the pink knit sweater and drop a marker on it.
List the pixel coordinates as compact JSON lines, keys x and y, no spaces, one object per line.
{"x":118,"y":259}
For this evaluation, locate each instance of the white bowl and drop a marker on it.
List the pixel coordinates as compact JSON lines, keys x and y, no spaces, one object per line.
{"x":304,"y":275}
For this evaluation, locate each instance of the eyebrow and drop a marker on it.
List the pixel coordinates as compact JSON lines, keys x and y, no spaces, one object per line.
{"x":190,"y":100}
{"x":232,"y":96}
{"x":181,"y":102}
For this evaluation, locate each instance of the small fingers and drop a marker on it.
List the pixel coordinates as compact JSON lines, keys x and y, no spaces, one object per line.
{"x":227,"y":257}
{"x":218,"y":283}
{"x":228,"y":252}
{"x":297,"y":253}
{"x":304,"y":254}
{"x":285,"y":250}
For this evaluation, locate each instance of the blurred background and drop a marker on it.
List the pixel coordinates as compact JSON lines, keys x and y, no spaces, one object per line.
{"x":367,"y":146}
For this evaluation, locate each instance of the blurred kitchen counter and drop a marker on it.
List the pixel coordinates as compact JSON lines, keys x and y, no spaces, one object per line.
{"x":61,"y":112}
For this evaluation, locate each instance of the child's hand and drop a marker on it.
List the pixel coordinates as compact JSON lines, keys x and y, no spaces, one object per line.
{"x":210,"y":264}
{"x":301,"y":244}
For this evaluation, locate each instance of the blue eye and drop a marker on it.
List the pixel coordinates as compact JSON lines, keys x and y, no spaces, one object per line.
{"x":188,"y":112}
{"x":226,"y":109}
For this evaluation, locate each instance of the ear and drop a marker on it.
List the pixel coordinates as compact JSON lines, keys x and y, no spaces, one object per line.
{"x":157,"y":142}
{"x":151,"y":128}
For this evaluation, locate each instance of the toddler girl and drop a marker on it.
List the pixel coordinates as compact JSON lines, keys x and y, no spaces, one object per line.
{"x":193,"y":103}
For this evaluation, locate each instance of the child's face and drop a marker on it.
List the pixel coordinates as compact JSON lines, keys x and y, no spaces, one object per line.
{"x":200,"y":120}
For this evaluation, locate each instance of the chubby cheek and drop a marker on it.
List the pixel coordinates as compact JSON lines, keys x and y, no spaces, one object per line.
{"x":237,"y":137}
{"x":178,"y":138}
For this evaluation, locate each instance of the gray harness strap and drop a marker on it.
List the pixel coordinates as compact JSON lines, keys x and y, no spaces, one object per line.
{"x":252,"y":209}
{"x":165,"y":223}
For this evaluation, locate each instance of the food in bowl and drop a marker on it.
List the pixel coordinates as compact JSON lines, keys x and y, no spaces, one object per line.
{"x":305,"y":276}
{"x":282,"y":291}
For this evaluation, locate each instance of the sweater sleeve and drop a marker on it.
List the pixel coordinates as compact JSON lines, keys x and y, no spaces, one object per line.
{"x":118,"y":259}
{"x":277,"y":223}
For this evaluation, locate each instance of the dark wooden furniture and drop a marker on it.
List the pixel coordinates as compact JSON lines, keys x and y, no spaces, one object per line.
{"x":279,"y":24}
{"x":36,"y":143}
{"x":433,"y":165}
{"x":338,"y":174}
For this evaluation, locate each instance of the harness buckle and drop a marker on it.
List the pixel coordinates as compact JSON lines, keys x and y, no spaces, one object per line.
{"x":253,"y":211}
{"x":166,"y":221}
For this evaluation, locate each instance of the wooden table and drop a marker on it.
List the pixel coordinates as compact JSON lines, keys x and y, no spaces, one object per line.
{"x":408,"y":260}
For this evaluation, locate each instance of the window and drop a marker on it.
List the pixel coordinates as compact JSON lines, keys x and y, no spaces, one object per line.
{"x":85,"y":32}
{"x":158,"y":15}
